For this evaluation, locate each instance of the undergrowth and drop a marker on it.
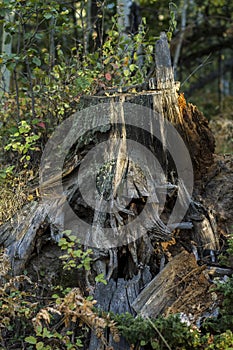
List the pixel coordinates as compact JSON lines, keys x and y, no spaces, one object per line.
{"x":63,"y":320}
{"x":169,"y":333}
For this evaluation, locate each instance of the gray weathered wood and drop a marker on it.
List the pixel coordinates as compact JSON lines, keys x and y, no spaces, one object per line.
{"x":116,"y":297}
{"x":19,"y":235}
{"x":216,"y":271}
{"x":164,"y":71}
{"x":159,"y":295}
{"x":205,"y":233}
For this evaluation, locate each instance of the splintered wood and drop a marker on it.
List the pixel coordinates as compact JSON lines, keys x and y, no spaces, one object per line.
{"x":180,"y":287}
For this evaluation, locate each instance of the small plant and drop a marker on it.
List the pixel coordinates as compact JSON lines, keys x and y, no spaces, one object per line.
{"x":173,"y":21}
{"x":122,"y":60}
{"x":75,"y":257}
{"x":58,"y":324}
{"x":69,"y":310}
{"x":23,"y":141}
{"x":168,"y":333}
{"x":17,"y":306}
{"x":55,"y":339}
{"x":162,"y":333}
{"x":6,"y":172}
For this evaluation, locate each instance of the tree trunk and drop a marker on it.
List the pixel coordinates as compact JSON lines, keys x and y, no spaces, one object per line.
{"x":184,"y":6}
{"x":6,"y":49}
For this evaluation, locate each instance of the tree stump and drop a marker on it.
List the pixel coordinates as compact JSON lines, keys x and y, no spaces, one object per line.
{"x":128,"y":258}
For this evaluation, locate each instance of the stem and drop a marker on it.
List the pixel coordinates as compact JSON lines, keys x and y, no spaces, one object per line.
{"x":203,"y":64}
{"x":75,"y":21}
{"x":102,"y":26}
{"x":15,"y":78}
{"x":220,"y":79}
{"x":85,"y":39}
{"x":161,"y":336}
{"x":29,"y":76}
{"x":52,"y":43}
{"x":88,"y":24}
{"x":17,"y":94}
{"x":31,"y":88}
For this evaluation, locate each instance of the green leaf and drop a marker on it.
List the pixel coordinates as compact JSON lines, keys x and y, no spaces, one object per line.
{"x":77,"y":253}
{"x":132,"y":67}
{"x":8,"y":147}
{"x":48,"y":15}
{"x":55,"y":296}
{"x":8,"y":39}
{"x":35,"y":121}
{"x":36,"y":61}
{"x":126,"y":72}
{"x":31,"y":340}
{"x":66,"y":12}
{"x":46,"y":333}
{"x":2,"y":175}
{"x":154,"y":345}
{"x":100,"y":279}
{"x":79,"y":343}
{"x":67,"y":232}
{"x":72,"y":238}
{"x":38,"y":330}
{"x":40,"y":346}
{"x":62,"y":242}
{"x":169,"y":36}
{"x":142,"y":342}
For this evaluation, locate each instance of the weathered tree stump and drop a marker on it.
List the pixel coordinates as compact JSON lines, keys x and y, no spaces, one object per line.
{"x":131,"y":267}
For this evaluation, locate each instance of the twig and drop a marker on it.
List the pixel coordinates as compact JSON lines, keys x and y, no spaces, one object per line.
{"x":197,"y":68}
{"x":17,"y":94}
{"x":161,"y":336}
{"x":29,"y":76}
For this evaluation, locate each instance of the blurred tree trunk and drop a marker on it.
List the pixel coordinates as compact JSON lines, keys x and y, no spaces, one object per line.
{"x":123,"y":11}
{"x":6,"y":50}
{"x":95,"y":21}
{"x":184,"y":7}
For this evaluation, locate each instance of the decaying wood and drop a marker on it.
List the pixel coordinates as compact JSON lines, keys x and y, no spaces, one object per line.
{"x":199,"y":140}
{"x":117,"y":297}
{"x":219,"y":271}
{"x":179,"y":283}
{"x":204,"y":233}
{"x":218,"y":192}
{"x":20,"y":234}
{"x":180,"y":286}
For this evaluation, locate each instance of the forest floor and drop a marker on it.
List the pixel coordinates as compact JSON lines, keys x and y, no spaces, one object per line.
{"x":222,"y":127}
